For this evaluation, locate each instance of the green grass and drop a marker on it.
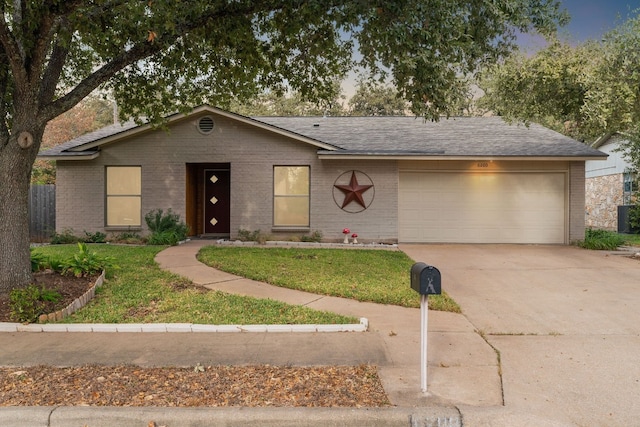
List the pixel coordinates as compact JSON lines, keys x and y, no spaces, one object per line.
{"x":365,"y":275}
{"x":140,"y":292}
{"x":631,"y":239}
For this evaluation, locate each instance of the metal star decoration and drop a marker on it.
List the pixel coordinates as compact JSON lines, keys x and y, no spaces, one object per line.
{"x":353,"y":192}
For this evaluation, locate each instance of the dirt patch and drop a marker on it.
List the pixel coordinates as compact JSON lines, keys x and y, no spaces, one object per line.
{"x":69,"y":287}
{"x":252,"y":386}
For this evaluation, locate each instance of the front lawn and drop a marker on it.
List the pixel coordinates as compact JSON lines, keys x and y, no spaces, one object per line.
{"x":631,"y":239}
{"x":365,"y":275}
{"x":140,"y":292}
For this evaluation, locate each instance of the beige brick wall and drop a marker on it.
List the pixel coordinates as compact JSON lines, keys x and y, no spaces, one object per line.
{"x":576,"y":201}
{"x":603,"y":196}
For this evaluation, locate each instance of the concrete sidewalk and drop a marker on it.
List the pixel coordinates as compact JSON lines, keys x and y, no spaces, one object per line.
{"x":462,"y":368}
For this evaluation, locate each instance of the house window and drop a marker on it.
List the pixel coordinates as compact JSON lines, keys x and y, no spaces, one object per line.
{"x":124,"y":191}
{"x":628,"y":187}
{"x":291,"y":196}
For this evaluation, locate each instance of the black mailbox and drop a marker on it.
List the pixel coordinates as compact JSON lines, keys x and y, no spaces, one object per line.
{"x":425,"y":279}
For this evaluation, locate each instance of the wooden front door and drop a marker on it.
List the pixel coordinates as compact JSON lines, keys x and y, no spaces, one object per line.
{"x":217,"y":198}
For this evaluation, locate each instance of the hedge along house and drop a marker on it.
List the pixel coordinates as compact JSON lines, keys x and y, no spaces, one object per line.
{"x":389,"y":179}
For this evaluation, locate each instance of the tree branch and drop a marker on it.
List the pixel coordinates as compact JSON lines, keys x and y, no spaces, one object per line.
{"x":139,"y":51}
{"x":58,"y":57}
{"x":98,"y":77}
{"x":12,"y":52}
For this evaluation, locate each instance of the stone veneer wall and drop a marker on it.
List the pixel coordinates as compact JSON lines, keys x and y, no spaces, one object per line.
{"x":603,"y":196}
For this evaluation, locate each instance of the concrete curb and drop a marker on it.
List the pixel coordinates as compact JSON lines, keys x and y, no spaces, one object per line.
{"x":73,"y":416}
{"x":363,"y":326}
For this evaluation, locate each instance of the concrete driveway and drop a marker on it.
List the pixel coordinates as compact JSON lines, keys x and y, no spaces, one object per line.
{"x":565,"y":322}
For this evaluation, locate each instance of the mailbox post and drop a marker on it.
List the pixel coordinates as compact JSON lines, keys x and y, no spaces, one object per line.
{"x":426,"y":280}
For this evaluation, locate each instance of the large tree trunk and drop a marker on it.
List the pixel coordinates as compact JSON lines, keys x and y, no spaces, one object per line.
{"x":15,"y":171}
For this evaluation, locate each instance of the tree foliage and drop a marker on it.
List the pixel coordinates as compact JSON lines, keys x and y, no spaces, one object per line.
{"x":376,"y":100}
{"x":584,"y":91}
{"x":161,"y":56}
{"x":271,"y":103}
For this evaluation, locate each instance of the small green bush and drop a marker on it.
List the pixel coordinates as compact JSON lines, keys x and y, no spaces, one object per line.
{"x":57,"y":265}
{"x":64,"y":238}
{"x":168,"y":237}
{"x":166,"y":228}
{"x":38,"y":261}
{"x":316,"y":237}
{"x":634,"y":218}
{"x":97,"y":237}
{"x":27,"y":304}
{"x":601,"y":240}
{"x":86,"y":263}
{"x":252,"y":236}
{"x":127,"y":237}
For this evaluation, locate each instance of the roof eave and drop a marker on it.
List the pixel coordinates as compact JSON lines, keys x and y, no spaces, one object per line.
{"x":374,"y":156}
{"x":88,"y":156}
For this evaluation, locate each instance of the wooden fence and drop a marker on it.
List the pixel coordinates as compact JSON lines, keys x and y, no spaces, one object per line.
{"x":42,"y":212}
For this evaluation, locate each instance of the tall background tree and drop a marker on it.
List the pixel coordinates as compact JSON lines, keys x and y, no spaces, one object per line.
{"x":160,"y":56}
{"x":272,"y":103}
{"x":583,"y":91}
{"x":373,"y":99}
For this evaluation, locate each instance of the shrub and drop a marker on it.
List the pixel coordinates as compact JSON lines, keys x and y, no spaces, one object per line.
{"x":128,"y":237}
{"x":316,"y":237}
{"x":252,"y":236}
{"x":38,"y":261}
{"x":27,"y":304}
{"x":634,"y":218}
{"x":601,"y":240}
{"x":64,"y":238}
{"x":168,"y":237}
{"x":86,"y":263}
{"x":166,"y":228}
{"x":97,"y":237}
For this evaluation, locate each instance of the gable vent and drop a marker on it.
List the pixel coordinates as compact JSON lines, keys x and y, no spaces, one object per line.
{"x":206,"y":124}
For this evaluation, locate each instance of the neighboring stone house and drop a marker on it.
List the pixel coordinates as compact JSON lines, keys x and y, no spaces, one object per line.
{"x":388,"y":179}
{"x":609,"y":184}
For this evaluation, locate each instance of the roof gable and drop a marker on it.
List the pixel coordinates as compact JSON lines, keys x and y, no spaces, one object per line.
{"x":88,"y":146}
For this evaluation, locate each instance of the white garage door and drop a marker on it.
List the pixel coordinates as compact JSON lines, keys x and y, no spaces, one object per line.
{"x":467,"y":207}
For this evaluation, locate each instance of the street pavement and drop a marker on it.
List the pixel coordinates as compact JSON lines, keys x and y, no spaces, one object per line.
{"x":548,"y":337}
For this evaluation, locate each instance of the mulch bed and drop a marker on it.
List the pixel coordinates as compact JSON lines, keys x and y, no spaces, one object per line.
{"x":215,"y":386}
{"x":69,"y":287}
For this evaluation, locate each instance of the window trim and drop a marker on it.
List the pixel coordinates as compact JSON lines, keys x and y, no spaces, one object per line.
{"x":283,"y":227}
{"x":107,"y":196}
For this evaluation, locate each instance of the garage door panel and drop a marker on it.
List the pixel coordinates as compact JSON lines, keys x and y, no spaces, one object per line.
{"x":482,"y":207}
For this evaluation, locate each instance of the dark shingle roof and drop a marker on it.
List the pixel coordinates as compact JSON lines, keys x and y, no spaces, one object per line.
{"x":63,"y":149}
{"x":392,"y":136}
{"x":462,"y":136}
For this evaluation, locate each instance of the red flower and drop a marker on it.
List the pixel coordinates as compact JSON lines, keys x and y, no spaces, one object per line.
{"x":346,"y":231}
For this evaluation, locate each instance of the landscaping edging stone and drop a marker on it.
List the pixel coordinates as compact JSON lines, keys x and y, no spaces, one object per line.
{"x":363,"y":326}
{"x":76,"y":305}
